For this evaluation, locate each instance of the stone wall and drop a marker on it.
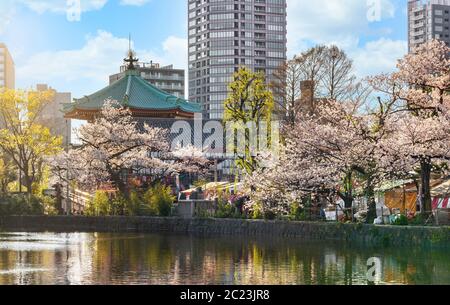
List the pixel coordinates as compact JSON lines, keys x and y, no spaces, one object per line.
{"x":192,"y":208}
{"x":352,"y":233}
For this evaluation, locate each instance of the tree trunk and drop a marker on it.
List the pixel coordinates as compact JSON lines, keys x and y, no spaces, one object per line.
{"x":348,"y":195}
{"x":4,"y":186}
{"x":425,"y":189}
{"x":121,"y":186}
{"x":371,"y":204}
{"x":27,"y":178}
{"x":59,"y":199}
{"x":348,"y":203}
{"x":28,"y":183}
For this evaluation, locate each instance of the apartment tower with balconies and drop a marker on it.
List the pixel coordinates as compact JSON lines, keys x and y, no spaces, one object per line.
{"x":227,"y":34}
{"x":428,"y":20}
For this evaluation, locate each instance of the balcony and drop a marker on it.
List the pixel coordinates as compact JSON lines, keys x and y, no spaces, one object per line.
{"x":417,"y":33}
{"x":418,"y":17}
{"x":162,"y":77}
{"x":417,"y":9}
{"x":417,"y":25}
{"x":417,"y":40}
{"x":169,"y":87}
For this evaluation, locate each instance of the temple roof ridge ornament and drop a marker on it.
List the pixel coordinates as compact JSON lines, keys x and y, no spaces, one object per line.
{"x":131,"y":57}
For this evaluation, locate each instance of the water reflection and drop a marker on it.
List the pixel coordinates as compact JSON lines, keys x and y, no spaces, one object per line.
{"x":98,"y":258}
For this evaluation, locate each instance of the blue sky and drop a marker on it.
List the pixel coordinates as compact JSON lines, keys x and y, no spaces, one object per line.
{"x":78,"y":56}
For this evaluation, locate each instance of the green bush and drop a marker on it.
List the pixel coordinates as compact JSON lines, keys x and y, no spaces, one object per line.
{"x":21,"y":204}
{"x":99,"y":206}
{"x":257,"y":213}
{"x":133,"y":205}
{"x":49,"y":205}
{"x":400,"y":220}
{"x":296,"y":212}
{"x":158,"y":201}
{"x":102,"y":205}
{"x":417,"y":220}
{"x":225,"y":210}
{"x":270,"y":215}
{"x":118,"y":205}
{"x":147,"y":208}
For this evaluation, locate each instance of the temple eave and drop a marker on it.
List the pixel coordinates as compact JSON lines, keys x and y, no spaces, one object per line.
{"x":88,"y":115}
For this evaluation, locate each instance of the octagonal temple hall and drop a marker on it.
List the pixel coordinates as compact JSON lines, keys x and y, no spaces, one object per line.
{"x":133,"y":92}
{"x":153,"y":107}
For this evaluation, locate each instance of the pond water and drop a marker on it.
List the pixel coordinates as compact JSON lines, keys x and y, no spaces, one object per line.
{"x":99,"y":258}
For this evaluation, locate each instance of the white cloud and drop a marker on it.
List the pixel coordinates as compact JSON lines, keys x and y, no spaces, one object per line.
{"x":378,"y":56}
{"x":7,"y":11}
{"x":101,"y":55}
{"x":176,"y":50}
{"x":8,"y":8}
{"x":343,"y":23}
{"x":134,"y":2}
{"x":61,"y":6}
{"x":324,"y":21}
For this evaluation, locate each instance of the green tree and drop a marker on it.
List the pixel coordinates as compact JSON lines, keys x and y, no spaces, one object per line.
{"x":100,"y":205}
{"x":159,"y":200}
{"x":22,"y":139}
{"x":249,"y":102}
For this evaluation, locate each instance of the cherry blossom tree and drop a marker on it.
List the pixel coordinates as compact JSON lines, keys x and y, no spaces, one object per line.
{"x":114,"y":147}
{"x":354,"y":145}
{"x":419,"y":98}
{"x":328,"y":152}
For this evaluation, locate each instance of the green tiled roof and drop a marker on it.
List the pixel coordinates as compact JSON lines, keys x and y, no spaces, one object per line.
{"x":135,"y":93}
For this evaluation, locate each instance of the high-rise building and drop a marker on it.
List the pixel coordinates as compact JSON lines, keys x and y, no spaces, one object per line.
{"x":7,"y":69}
{"x":52,"y":115}
{"x":428,"y":20}
{"x":165,"y":78}
{"x":227,"y":34}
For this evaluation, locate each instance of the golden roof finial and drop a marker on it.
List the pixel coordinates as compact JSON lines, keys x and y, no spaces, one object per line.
{"x":131,"y":59}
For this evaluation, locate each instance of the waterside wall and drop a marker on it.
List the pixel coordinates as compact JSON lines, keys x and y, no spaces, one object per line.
{"x":349,"y":233}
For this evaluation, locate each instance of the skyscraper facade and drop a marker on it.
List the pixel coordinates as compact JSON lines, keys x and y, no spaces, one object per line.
{"x":428,"y":20}
{"x":7,"y":69}
{"x":227,"y":34}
